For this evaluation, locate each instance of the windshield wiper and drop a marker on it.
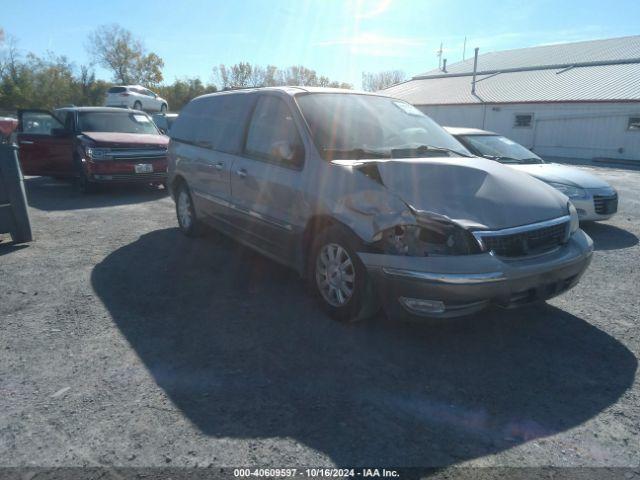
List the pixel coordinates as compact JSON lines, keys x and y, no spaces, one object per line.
{"x":501,"y":159}
{"x":422,"y":149}
{"x":354,"y":153}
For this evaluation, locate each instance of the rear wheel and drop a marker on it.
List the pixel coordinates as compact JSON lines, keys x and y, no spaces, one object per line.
{"x":185,"y":211}
{"x":137,"y":105}
{"x":339,"y":278}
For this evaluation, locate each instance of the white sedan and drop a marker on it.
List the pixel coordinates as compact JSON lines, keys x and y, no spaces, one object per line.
{"x":136,"y":97}
{"x":594,"y":198}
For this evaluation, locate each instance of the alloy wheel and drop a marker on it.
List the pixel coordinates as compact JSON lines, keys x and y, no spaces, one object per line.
{"x":184,"y":209}
{"x":335,"y":274}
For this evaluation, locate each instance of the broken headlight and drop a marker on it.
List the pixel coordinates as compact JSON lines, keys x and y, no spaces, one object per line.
{"x":422,"y":241}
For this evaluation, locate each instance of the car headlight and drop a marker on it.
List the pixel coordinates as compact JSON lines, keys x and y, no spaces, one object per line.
{"x":422,"y":241}
{"x":574,"y":222}
{"x":99,"y":153}
{"x":569,"y":190}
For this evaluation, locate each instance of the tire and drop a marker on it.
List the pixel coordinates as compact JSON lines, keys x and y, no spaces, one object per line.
{"x":342,"y":286}
{"x":137,"y":105}
{"x":186,"y":213}
{"x":83,"y":184}
{"x":163,"y":108}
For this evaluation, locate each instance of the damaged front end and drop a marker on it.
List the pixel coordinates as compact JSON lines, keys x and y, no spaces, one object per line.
{"x":394,"y":227}
{"x":419,"y":244}
{"x":431,"y":235}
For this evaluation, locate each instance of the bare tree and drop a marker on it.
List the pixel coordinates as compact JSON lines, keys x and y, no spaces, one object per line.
{"x":116,"y":49}
{"x":244,"y":74}
{"x":372,"y":82}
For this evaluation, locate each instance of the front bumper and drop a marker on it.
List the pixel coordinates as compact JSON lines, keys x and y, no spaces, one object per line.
{"x":600,"y":204}
{"x":460,"y":285}
{"x":125,"y":172}
{"x":156,"y":177}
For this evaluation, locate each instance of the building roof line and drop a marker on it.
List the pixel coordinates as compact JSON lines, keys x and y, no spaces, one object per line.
{"x":523,"y":102}
{"x":624,"y":61}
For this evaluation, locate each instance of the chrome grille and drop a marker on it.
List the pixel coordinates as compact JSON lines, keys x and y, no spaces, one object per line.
{"x":605,"y":205}
{"x":137,"y":154}
{"x":526,"y":240}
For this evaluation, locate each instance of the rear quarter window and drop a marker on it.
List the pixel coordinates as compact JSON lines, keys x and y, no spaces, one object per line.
{"x":117,"y":90}
{"x":186,"y":125}
{"x":222,"y":122}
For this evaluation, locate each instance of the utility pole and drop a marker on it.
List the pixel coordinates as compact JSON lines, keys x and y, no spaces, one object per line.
{"x":439,"y":54}
{"x":464,"y":47}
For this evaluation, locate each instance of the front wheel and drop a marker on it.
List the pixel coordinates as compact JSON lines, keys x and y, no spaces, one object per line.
{"x":163,"y":108}
{"x":339,"y":278}
{"x":137,"y":105}
{"x":83,"y":184}
{"x":186,"y":213}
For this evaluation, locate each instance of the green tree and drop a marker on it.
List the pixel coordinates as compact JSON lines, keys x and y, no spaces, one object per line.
{"x":116,"y":49}
{"x":180,"y":92}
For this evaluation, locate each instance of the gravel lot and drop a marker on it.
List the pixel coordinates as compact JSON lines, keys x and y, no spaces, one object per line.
{"x":124,"y":343}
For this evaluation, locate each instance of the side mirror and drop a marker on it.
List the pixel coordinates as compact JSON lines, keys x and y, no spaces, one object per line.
{"x":287,"y":153}
{"x":59,"y":132}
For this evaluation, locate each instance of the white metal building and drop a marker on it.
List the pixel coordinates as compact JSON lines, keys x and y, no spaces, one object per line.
{"x":574,"y":100}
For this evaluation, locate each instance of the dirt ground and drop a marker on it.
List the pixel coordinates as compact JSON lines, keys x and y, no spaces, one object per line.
{"x":124,"y":343}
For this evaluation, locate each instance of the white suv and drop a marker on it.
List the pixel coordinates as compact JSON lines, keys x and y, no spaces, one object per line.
{"x":136,"y":97}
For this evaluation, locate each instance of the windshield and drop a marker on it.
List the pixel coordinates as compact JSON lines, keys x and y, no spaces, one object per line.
{"x":122,"y":122}
{"x":500,"y":148}
{"x":360,"y":126}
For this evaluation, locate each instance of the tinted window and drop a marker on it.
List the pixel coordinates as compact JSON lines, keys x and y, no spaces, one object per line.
{"x":161,"y":122}
{"x":117,"y":90}
{"x":223,"y":121}
{"x":66,"y":118}
{"x":125,"y":122}
{"x":634,"y":123}
{"x":272,"y":122}
{"x":187,"y":123}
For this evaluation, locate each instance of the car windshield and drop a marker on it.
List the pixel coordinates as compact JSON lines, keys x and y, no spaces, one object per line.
{"x":122,"y":122}
{"x":501,"y":149}
{"x":347,"y":126}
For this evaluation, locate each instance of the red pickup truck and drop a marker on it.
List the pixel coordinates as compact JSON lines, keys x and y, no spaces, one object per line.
{"x":93,"y":145}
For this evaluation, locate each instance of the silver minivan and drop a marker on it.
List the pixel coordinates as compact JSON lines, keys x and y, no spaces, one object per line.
{"x":372,"y":202}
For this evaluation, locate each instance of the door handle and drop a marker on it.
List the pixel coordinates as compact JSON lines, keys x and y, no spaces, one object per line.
{"x":26,"y":142}
{"x":219,"y":166}
{"x":242,"y":173}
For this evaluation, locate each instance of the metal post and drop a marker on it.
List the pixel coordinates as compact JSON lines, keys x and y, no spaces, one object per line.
{"x":444,"y":65}
{"x":475,"y":68}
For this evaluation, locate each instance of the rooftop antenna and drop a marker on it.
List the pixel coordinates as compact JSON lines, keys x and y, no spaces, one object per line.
{"x":464,"y":48}
{"x":439,"y":54}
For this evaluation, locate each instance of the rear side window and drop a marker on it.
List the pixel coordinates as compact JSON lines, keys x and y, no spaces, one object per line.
{"x":223,"y":121}
{"x":117,"y":90}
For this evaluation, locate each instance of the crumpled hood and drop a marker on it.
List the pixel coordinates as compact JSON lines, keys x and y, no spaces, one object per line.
{"x":474,"y":192}
{"x":555,"y":172}
{"x":117,"y":139}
